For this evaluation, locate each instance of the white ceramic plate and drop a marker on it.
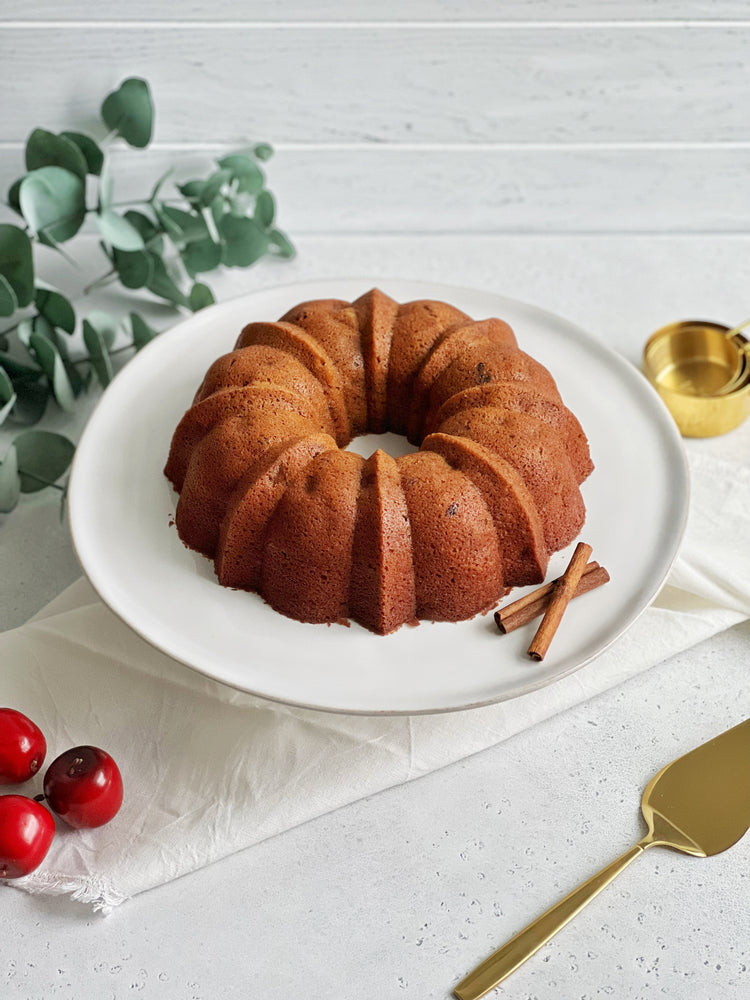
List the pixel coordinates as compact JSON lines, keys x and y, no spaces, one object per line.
{"x":121,"y":506}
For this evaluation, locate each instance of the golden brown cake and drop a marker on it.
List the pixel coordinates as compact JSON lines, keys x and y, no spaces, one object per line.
{"x":269,"y":493}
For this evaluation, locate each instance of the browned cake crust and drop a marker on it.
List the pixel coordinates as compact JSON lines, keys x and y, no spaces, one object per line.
{"x":267,"y":491}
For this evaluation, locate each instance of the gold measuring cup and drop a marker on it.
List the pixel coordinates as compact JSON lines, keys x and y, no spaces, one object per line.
{"x":702,"y":372}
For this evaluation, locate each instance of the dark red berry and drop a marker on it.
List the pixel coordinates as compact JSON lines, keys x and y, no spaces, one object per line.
{"x":84,"y":787}
{"x":26,"y":831}
{"x":22,"y":747}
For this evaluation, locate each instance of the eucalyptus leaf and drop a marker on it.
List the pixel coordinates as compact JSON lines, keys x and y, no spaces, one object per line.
{"x":280,"y":246}
{"x":53,"y":203}
{"x":98,"y":353}
{"x":263,"y":151}
{"x":31,"y":401}
{"x":204,"y":255}
{"x":13,"y":194}
{"x":192,"y":190}
{"x":182,"y":226}
{"x":118,"y":232}
{"x":200,"y":296}
{"x":10,"y":481}
{"x":213,"y":186}
{"x":129,"y":111}
{"x":8,"y":300}
{"x":54,"y":306}
{"x":142,"y":333}
{"x":17,"y":262}
{"x":145,"y":226}
{"x":42,"y":458}
{"x":161,"y":283}
{"x":106,"y":325}
{"x":265,"y":209}
{"x":51,"y":363}
{"x":245,"y":171}
{"x":45,"y":149}
{"x":77,"y":381}
{"x":40,"y":324}
{"x":134,"y":269}
{"x":7,"y":395}
{"x":244,"y":241}
{"x":172,"y":230}
{"x":6,"y":408}
{"x":92,"y":154}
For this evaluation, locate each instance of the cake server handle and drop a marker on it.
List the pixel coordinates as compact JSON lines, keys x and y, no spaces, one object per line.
{"x":514,"y":953}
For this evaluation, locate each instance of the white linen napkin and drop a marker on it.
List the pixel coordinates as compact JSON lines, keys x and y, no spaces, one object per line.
{"x":208,"y":770}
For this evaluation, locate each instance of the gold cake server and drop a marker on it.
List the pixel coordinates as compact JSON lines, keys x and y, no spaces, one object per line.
{"x":699,"y":804}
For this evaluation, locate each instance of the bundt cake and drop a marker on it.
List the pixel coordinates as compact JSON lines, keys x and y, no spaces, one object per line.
{"x":269,"y":493}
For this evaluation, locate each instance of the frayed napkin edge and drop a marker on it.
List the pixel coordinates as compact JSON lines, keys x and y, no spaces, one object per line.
{"x":92,"y":891}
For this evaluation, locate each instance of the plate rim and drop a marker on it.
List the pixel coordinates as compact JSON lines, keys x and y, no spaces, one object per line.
{"x":428,"y":288}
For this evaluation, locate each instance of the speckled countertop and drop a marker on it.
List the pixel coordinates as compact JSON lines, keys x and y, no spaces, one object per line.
{"x":399,"y":895}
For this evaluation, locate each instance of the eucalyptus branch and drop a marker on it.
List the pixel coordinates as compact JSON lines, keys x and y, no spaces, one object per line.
{"x":101,"y":280}
{"x":40,"y":479}
{"x":157,"y":246}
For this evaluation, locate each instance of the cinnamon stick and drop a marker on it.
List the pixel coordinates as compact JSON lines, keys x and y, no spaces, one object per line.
{"x":529,"y":607}
{"x":562,"y":594}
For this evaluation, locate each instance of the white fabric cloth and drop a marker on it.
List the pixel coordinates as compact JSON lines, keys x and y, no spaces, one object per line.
{"x":209,"y":771}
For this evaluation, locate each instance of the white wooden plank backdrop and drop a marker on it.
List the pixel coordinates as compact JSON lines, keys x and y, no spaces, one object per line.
{"x":420,"y":115}
{"x":383,"y":10}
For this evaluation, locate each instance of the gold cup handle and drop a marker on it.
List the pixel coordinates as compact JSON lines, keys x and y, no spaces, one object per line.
{"x":514,"y":953}
{"x":743,"y":348}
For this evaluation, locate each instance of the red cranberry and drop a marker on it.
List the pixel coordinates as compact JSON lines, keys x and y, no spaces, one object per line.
{"x":22,"y":747}
{"x":84,"y":787}
{"x":26,"y":831}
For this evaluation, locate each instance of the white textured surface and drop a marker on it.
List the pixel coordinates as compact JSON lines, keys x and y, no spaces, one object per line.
{"x":399,"y":895}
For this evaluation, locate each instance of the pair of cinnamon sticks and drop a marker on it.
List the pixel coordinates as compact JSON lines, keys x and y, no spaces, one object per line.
{"x":552,"y":599}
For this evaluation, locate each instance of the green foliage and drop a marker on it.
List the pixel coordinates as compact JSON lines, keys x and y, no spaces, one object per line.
{"x":130,"y":112}
{"x":244,"y":241}
{"x":157,"y":245}
{"x":279,"y":245}
{"x":118,"y":232}
{"x":92,"y":154}
{"x":10,"y":481}
{"x":7,"y":395}
{"x":8,"y":300}
{"x":47,"y":355}
{"x":16,"y":263}
{"x":42,"y":458}
{"x":134,"y":270}
{"x":200,"y":296}
{"x":142,"y":333}
{"x":53,"y":202}
{"x":99,"y":357}
{"x":44,"y":149}
{"x":55,"y":308}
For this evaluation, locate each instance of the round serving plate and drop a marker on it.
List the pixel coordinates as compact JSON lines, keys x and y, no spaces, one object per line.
{"x":122,"y":512}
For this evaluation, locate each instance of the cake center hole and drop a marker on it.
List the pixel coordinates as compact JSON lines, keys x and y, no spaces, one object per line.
{"x":394,"y":445}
